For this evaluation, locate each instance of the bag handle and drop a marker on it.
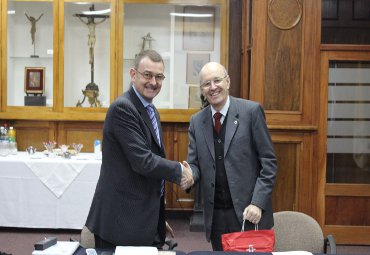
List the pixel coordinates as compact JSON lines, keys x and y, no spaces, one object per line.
{"x":255,"y":226}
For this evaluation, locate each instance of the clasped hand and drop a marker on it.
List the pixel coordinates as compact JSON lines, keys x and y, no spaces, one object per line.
{"x":187,"y":176}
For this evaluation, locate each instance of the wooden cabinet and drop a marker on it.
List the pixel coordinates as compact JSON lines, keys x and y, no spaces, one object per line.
{"x":284,"y":55}
{"x":79,"y":58}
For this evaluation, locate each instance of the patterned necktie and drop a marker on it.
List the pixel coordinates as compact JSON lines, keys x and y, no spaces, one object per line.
{"x":150,"y":110}
{"x":217,"y":117}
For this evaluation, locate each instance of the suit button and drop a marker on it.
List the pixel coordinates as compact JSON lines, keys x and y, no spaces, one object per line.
{"x":219,"y":140}
{"x":219,"y":157}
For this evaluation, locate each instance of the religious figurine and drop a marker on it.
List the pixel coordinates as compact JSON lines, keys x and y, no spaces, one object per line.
{"x":33,"y":25}
{"x":92,"y":90}
{"x":33,"y":31}
{"x":147,"y":42}
{"x":92,"y":93}
{"x":91,"y":24}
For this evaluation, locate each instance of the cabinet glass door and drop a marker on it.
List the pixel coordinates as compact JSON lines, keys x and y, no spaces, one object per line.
{"x":87,"y":54}
{"x":29,"y":53}
{"x":186,"y":35}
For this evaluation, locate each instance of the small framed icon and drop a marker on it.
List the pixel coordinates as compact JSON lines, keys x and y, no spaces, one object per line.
{"x":34,"y":80}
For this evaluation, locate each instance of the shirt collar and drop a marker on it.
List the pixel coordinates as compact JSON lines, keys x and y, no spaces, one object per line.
{"x":224,"y":109}
{"x":143,"y":101}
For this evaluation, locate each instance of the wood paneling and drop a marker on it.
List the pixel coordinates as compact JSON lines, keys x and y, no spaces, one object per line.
{"x":296,"y":178}
{"x":336,"y":214}
{"x":235,"y":47}
{"x":286,"y":185}
{"x":349,"y":234}
{"x":80,"y":132}
{"x":33,"y":133}
{"x":280,"y":61}
{"x":283,"y":69}
{"x":346,"y":22}
{"x":176,"y":142}
{"x":284,"y":78}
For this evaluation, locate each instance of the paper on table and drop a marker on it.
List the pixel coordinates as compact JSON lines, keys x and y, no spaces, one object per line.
{"x":292,"y":253}
{"x":135,"y":250}
{"x":60,"y":248}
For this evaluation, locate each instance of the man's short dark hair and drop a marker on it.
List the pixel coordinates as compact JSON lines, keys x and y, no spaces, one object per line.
{"x":151,"y":54}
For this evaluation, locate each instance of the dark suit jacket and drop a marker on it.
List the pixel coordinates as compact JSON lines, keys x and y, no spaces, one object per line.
{"x":126,"y":204}
{"x":249,"y":158}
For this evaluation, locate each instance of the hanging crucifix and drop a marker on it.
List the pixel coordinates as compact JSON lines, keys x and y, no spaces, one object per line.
{"x":92,"y":90}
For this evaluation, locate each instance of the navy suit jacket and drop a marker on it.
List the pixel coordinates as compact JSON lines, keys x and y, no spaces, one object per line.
{"x":249,"y":159}
{"x":126,"y":205}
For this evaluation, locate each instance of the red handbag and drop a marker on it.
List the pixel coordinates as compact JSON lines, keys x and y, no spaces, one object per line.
{"x":249,"y":241}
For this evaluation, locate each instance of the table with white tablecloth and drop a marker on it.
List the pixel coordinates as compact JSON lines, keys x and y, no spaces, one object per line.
{"x":43,"y":192}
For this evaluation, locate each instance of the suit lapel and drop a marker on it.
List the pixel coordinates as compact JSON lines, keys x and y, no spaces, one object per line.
{"x":207,"y":128}
{"x":231,"y":124}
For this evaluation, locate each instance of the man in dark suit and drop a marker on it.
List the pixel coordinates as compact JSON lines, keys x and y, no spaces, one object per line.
{"x":231,"y":152}
{"x":128,"y":204}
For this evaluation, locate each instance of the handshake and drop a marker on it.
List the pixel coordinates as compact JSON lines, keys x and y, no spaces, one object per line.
{"x":187,"y":176}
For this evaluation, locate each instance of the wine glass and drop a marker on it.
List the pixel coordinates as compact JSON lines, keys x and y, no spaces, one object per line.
{"x":50,"y":145}
{"x":64,"y":148}
{"x":77,"y":147}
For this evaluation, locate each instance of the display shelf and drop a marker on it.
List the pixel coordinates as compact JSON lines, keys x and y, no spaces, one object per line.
{"x":60,"y":40}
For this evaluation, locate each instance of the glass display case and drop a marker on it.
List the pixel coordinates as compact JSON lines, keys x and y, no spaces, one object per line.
{"x":29,"y":53}
{"x":86,"y":54}
{"x":62,"y":55}
{"x":186,"y":35}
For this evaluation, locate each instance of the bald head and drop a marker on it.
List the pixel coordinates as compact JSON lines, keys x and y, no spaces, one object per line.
{"x":214,"y":84}
{"x":212,"y":68}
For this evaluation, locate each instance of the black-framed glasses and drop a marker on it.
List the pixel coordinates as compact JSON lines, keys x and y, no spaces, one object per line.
{"x":217,"y":81}
{"x":149,"y":75}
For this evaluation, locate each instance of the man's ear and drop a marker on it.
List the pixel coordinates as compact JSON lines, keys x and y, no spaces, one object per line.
{"x":133,"y":74}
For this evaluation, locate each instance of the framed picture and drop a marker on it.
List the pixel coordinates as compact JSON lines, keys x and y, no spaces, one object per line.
{"x":194,"y":97}
{"x":194,"y":63}
{"x":198,"y":29}
{"x":34,"y":80}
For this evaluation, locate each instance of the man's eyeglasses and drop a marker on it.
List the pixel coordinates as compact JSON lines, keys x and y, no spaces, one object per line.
{"x":150,"y":75}
{"x":216,"y":81}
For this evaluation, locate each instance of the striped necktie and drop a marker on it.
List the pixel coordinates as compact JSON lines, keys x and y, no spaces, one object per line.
{"x":150,"y":110}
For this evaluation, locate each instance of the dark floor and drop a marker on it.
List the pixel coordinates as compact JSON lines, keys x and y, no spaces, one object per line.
{"x":20,"y":241}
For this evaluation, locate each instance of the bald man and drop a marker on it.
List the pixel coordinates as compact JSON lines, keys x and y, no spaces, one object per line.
{"x":231,"y":154}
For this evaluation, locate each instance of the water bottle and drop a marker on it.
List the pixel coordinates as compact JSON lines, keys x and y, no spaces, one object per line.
{"x":97,"y":149}
{"x":2,"y":133}
{"x":4,"y":143}
{"x":11,"y":134}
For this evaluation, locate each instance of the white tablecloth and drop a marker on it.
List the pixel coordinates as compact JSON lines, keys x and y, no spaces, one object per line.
{"x":46,"y":193}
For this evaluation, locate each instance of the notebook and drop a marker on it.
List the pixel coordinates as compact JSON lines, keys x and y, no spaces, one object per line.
{"x":60,"y":248}
{"x":135,"y":250}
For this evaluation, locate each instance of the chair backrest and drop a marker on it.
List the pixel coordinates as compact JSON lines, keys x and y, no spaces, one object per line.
{"x":296,"y":231}
{"x":87,"y":238}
